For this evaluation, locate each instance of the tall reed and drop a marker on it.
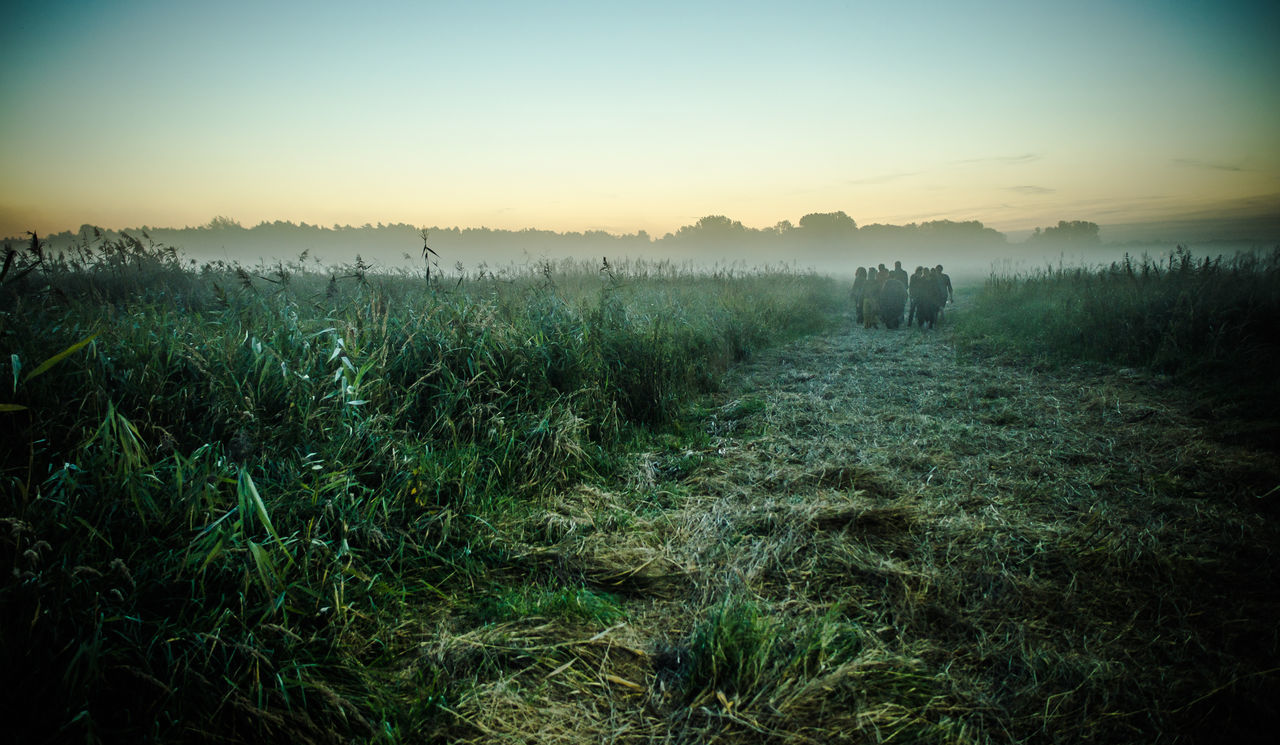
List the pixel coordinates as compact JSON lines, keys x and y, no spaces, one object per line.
{"x":229,"y":491}
{"x":1212,"y":319}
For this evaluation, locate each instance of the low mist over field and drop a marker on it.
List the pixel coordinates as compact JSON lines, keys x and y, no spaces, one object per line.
{"x":832,"y":243}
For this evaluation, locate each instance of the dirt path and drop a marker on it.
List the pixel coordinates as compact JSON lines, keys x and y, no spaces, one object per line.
{"x":877,"y":541}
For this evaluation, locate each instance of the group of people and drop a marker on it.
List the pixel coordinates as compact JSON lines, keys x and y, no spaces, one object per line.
{"x":881,"y":295}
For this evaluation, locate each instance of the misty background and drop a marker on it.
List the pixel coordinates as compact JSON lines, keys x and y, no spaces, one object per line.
{"x":828,"y":242}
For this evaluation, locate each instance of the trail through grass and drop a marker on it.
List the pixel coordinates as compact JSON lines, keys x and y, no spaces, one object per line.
{"x":865,"y":539}
{"x":285,"y":506}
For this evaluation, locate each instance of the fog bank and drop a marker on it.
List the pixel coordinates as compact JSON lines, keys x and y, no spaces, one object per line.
{"x":831,"y":243}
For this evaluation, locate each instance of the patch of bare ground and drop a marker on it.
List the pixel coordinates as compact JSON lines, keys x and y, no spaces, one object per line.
{"x":882,"y":543}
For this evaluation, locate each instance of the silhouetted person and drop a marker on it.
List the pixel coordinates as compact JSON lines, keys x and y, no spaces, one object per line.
{"x":944,"y":282}
{"x":929,"y":298}
{"x":859,"y":291}
{"x":914,"y":288}
{"x":948,"y":293}
{"x":893,"y":298}
{"x":871,"y":299}
{"x":899,"y":273}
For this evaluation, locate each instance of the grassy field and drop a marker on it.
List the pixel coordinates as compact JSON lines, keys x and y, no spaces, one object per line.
{"x":631,"y":503}
{"x":1210,"y":321}
{"x":232,"y":496}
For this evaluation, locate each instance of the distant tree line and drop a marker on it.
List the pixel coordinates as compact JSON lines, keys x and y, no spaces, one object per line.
{"x":826,"y":240}
{"x":1074,"y":232}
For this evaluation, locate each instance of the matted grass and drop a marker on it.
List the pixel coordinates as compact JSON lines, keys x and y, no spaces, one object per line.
{"x":889,"y":545}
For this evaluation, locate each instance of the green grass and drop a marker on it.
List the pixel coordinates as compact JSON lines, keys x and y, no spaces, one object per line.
{"x":581,"y":604}
{"x":771,"y":675}
{"x":232,"y":497}
{"x":1209,"y":321}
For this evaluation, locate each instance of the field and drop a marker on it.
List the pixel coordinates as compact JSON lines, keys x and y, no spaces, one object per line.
{"x":631,"y":503}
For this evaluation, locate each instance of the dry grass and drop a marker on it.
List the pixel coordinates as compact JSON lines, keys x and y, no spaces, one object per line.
{"x":881,"y":544}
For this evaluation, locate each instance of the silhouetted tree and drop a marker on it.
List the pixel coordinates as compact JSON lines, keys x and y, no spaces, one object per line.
{"x":1074,"y":232}
{"x":828,"y":225}
{"x":222,"y":222}
{"x":713,"y":229}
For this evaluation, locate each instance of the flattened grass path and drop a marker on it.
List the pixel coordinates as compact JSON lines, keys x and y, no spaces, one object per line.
{"x":878,"y":541}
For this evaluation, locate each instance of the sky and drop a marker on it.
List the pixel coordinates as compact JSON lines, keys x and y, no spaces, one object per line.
{"x":627,"y":116}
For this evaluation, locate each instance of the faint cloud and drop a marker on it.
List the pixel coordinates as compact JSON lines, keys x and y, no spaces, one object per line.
{"x":1008,"y":160}
{"x":1029,"y":189}
{"x":1207,"y":165}
{"x":1128,"y":209}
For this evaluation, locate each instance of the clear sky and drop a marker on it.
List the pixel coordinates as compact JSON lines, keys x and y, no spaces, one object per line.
{"x":623,"y":116}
